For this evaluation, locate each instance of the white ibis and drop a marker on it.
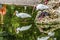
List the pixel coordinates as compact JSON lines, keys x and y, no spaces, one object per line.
{"x":43,"y":38}
{"x":22,"y":15}
{"x":51,"y":33}
{"x":47,"y":37}
{"x":23,"y":28}
{"x":55,"y":39}
{"x":41,"y":7}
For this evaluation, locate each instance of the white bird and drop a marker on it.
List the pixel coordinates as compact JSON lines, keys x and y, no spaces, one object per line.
{"x":55,"y":39}
{"x":23,"y":28}
{"x":43,"y":38}
{"x":22,"y":15}
{"x":41,"y":7}
{"x":51,"y":33}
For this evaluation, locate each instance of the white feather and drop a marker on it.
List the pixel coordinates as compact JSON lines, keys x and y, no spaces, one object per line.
{"x":22,"y":15}
{"x":17,"y":30}
{"x":51,"y":33}
{"x":23,"y":28}
{"x":43,"y":38}
{"x":41,"y":7}
{"x":55,"y":39}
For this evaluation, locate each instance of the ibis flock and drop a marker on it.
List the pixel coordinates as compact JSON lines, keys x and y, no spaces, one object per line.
{"x":26,"y":15}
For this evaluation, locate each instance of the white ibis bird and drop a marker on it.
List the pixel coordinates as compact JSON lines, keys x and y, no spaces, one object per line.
{"x":22,"y":15}
{"x":43,"y":38}
{"x":47,"y":37}
{"x":41,"y":7}
{"x":51,"y":33}
{"x":23,"y":28}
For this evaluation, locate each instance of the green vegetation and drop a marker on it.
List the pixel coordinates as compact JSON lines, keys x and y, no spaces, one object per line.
{"x":11,"y":22}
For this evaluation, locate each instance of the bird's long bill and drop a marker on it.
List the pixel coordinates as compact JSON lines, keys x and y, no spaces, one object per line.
{"x":2,"y":19}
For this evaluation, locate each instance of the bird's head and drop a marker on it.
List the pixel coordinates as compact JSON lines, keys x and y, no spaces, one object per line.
{"x":16,"y":12}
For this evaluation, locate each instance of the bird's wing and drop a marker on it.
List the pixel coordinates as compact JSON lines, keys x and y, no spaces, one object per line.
{"x":24,"y":15}
{"x":41,"y":7}
{"x":43,"y":38}
{"x":51,"y":33}
{"x":23,"y":28}
{"x":45,"y":6}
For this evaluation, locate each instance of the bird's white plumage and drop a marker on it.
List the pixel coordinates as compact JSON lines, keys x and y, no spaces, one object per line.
{"x":22,"y":15}
{"x":41,"y":7}
{"x":17,"y":30}
{"x":23,"y":28}
{"x":47,"y":37}
{"x":55,"y":39}
{"x":43,"y":38}
{"x":51,"y":33}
